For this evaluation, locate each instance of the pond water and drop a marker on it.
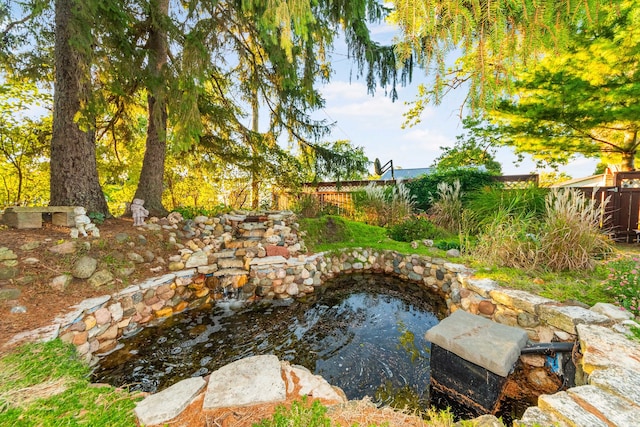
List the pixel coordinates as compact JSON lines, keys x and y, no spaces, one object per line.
{"x":362,"y":333}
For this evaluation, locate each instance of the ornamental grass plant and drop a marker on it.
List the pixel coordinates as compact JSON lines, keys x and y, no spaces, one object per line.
{"x":571,"y":237}
{"x":446,"y":209}
{"x":566,"y":237}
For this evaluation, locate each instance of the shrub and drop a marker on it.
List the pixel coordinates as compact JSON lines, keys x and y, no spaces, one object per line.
{"x":307,"y":206}
{"x":484,"y":203}
{"x":624,"y":283}
{"x":415,"y":229}
{"x":425,"y":189}
{"x":190,"y":212}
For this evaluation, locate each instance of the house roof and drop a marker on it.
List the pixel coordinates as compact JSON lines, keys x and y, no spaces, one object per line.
{"x":406,"y":173}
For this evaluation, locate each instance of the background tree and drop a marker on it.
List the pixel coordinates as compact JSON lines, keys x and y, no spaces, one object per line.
{"x":23,"y":140}
{"x":472,"y":150}
{"x":583,"y":101}
{"x":492,"y":37}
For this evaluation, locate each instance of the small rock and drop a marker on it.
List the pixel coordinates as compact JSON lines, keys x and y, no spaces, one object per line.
{"x":197,"y":259}
{"x":453,"y":253}
{"x":122,"y":237}
{"x":149,"y":256}
{"x":84,"y":267}
{"x":135,"y":257}
{"x":125,"y":271}
{"x":103,"y":316}
{"x":175,"y":266}
{"x":9,"y":294}
{"x":61,"y":282}
{"x":6,"y":254}
{"x":29,"y":246}
{"x":18,"y":309}
{"x":64,"y":248}
{"x":7,"y":273}
{"x":100,"y":278}
{"x":486,"y":307}
{"x":31,"y":260}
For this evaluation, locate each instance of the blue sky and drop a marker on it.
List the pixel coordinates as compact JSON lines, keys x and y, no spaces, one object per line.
{"x":374,"y":122}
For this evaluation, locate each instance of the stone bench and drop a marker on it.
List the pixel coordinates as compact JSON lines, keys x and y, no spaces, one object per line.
{"x":31,"y":217}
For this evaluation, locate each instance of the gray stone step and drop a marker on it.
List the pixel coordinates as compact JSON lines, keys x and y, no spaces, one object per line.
{"x":622,"y":382}
{"x":230,"y":272}
{"x":269,"y":260}
{"x":606,"y":406}
{"x":170,"y":402}
{"x":567,"y":410}
{"x":536,"y":417}
{"x":250,"y":381}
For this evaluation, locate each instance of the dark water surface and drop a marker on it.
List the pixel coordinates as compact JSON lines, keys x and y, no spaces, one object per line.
{"x":363,"y":333}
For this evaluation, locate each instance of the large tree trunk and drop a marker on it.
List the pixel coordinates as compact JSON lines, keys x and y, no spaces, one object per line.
{"x":627,"y":162}
{"x":74,"y":174}
{"x":150,"y":186}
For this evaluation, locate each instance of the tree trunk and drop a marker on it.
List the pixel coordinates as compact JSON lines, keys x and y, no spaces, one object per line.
{"x":150,"y":186}
{"x":74,"y":174}
{"x":627,"y":162}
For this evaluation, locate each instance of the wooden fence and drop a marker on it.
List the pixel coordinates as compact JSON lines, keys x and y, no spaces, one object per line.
{"x":339,"y":196}
{"x":621,"y":215}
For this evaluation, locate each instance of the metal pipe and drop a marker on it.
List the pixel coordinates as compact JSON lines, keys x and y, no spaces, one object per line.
{"x":548,"y":348}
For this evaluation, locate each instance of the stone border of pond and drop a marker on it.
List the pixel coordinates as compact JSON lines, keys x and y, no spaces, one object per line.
{"x":608,"y":391}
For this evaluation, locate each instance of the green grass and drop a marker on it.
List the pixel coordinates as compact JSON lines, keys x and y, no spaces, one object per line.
{"x":583,"y":286}
{"x":330,"y":233}
{"x":45,"y":384}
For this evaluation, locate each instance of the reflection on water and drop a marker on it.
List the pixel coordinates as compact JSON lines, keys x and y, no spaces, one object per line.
{"x":363,"y":333}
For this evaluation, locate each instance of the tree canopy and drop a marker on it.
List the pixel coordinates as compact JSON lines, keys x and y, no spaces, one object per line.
{"x":581,"y":101}
{"x":189,"y":73}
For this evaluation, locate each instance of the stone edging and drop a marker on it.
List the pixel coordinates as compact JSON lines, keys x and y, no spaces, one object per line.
{"x":608,"y":357}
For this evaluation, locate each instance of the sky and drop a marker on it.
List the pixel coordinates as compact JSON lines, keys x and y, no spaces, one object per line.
{"x":374,"y":122}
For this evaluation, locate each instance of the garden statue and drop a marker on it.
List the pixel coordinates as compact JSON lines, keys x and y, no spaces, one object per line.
{"x":138,"y":212}
{"x":83,"y":224}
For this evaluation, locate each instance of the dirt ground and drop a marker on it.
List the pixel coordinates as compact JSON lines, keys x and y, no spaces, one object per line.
{"x":43,"y":304}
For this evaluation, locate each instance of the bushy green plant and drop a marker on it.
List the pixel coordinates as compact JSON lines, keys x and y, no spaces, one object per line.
{"x":445,"y":245}
{"x":96,"y":217}
{"x":484,"y":203}
{"x":415,"y":229}
{"x":624,"y":283}
{"x":307,"y":206}
{"x":190,"y":212}
{"x":425,"y":188}
{"x":509,"y":241}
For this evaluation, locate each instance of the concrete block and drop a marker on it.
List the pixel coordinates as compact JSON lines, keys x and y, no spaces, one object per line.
{"x":491,"y":345}
{"x":22,"y":219}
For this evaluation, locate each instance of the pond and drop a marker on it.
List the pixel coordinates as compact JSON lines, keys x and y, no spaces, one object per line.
{"x":362,"y":333}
